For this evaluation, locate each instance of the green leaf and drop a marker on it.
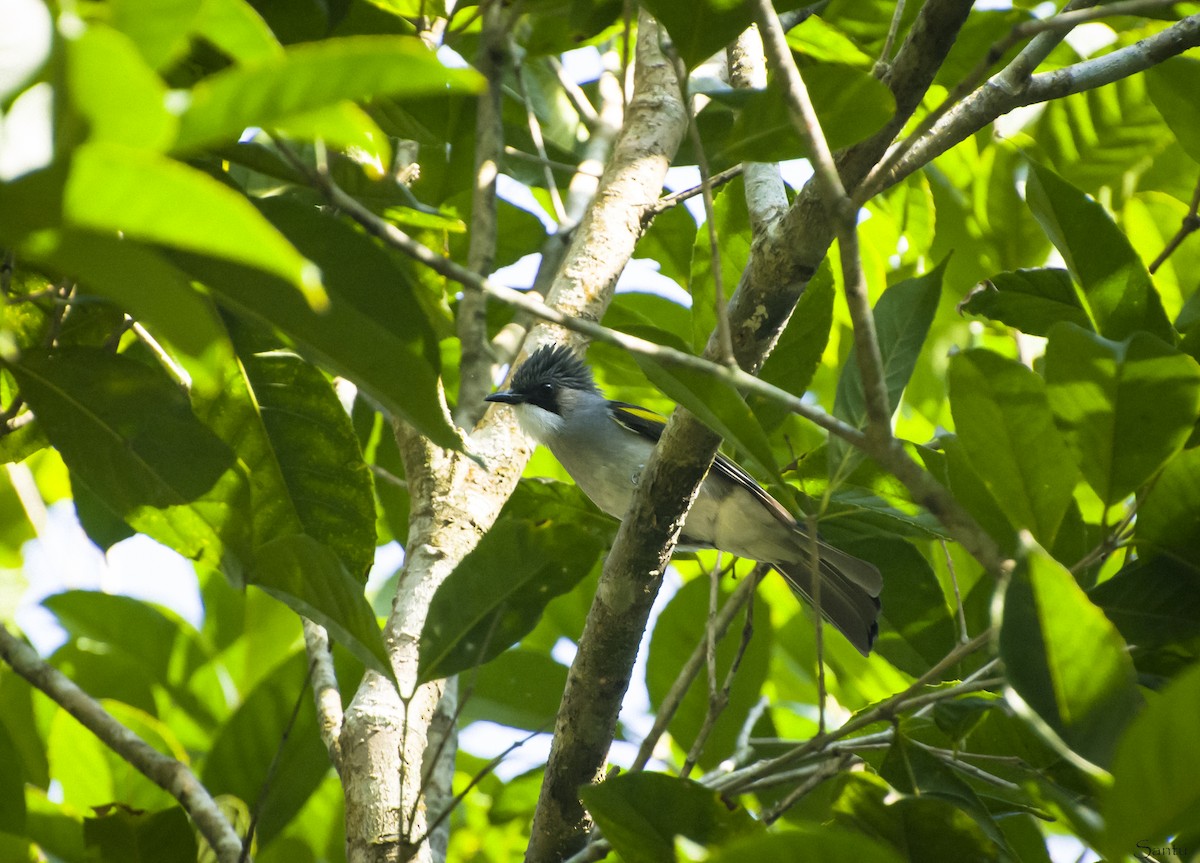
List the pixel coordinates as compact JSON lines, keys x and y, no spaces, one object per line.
{"x":137,"y":278}
{"x":1031,"y":301}
{"x":642,"y":813}
{"x":1124,"y":407}
{"x":120,"y":97}
{"x":160,"y":30}
{"x":1120,"y":294}
{"x":308,"y":474}
{"x":519,"y":688}
{"x":123,"y":835}
{"x":1155,"y":791}
{"x":806,"y":841}
{"x":1174,"y":87}
{"x":344,"y":126}
{"x":12,"y":786}
{"x":699,"y":30}
{"x":1168,"y":521}
{"x":911,"y":769}
{"x":678,"y":630}
{"x":179,"y":207}
{"x":718,"y":405}
{"x":972,"y":492}
{"x":1068,"y":666}
{"x":256,"y":743}
{"x":1153,"y":602}
{"x":309,"y":578}
{"x":130,"y":435}
{"x":373,"y":330}
{"x":236,"y":28}
{"x":913,"y":829}
{"x":313,"y":75}
{"x":475,"y":616}
{"x":1004,"y":422}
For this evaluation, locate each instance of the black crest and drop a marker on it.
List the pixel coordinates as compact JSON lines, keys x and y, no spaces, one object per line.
{"x":556,"y":365}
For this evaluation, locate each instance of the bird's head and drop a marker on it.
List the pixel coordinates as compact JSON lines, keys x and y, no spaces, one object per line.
{"x":545,"y":389}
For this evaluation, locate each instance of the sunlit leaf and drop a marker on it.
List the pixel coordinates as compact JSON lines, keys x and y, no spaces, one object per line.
{"x":1120,"y":294}
{"x":1004,"y":422}
{"x":1124,"y":407}
{"x":130,"y":434}
{"x":1066,"y":662}
{"x":311,"y":76}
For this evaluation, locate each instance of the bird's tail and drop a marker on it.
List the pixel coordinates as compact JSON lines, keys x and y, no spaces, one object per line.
{"x":849,"y":595}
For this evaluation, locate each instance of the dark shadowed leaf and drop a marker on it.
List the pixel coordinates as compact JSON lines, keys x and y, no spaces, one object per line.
{"x":520,"y":688}
{"x":498,"y":592}
{"x":913,"y":829}
{"x":123,"y":835}
{"x":642,"y":813}
{"x":911,"y":769}
{"x":373,"y":331}
{"x":1168,"y":520}
{"x":1124,"y":407}
{"x":1154,"y":602}
{"x":310,"y":579}
{"x":1005,"y":425}
{"x":918,"y":628}
{"x":1066,"y":661}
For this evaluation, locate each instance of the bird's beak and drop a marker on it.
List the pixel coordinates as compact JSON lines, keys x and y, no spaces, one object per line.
{"x":507,"y":397}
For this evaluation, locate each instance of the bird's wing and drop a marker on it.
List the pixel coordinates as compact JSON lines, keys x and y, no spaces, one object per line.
{"x":650,"y":425}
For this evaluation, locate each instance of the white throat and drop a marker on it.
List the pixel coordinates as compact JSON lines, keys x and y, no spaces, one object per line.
{"x":540,"y":424}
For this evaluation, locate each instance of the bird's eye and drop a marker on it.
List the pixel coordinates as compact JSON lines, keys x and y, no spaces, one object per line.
{"x":545,"y":391}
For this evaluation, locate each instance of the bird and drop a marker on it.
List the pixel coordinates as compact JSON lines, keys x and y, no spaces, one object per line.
{"x":604,"y":446}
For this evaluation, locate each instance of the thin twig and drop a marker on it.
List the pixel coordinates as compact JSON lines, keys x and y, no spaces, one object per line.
{"x":825,"y":771}
{"x":574,"y":93}
{"x":958,"y":603}
{"x":674,"y":199}
{"x":674,"y":697}
{"x":724,"y":339}
{"x":539,"y":143}
{"x":883,"y":711}
{"x":1190,"y":223}
{"x":398,"y":239}
{"x":269,"y":779}
{"x":884,"y":63}
{"x":718,"y":699}
{"x":1019,"y":69}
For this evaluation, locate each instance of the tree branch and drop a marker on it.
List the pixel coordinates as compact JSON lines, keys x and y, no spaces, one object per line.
{"x":992,"y":100}
{"x":325,"y":690}
{"x":172,"y":776}
{"x":475,"y":378}
{"x":600,"y":673}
